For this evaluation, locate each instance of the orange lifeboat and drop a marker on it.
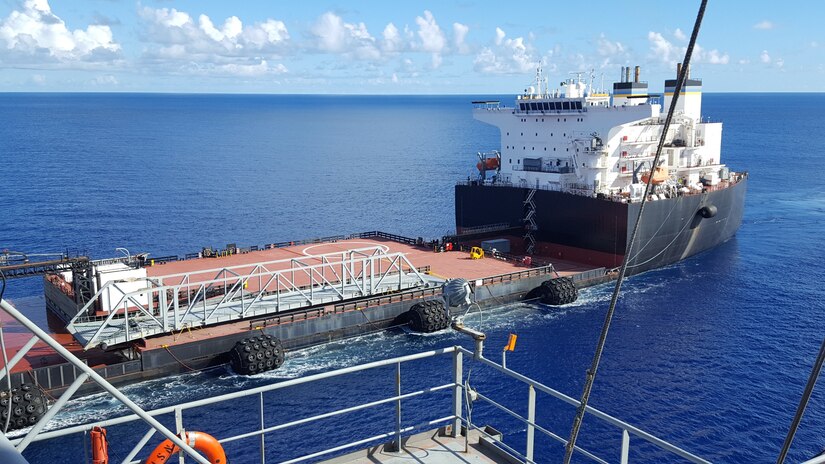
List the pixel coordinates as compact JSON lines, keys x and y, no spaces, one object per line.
{"x":489,"y":164}
{"x":203,"y":442}
{"x":660,"y":175}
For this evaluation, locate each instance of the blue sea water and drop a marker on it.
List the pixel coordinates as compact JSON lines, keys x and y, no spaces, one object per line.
{"x":711,"y":354}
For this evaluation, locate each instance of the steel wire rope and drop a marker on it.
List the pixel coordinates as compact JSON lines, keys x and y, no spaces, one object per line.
{"x":661,"y":251}
{"x":591,"y":373}
{"x":662,"y":224}
{"x":803,"y":403}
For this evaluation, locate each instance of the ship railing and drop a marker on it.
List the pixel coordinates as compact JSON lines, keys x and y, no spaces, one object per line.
{"x":14,"y":455}
{"x":451,"y":401}
{"x":200,"y":298}
{"x":155,"y":261}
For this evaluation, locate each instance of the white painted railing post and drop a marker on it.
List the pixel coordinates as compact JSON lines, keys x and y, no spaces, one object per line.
{"x":180,"y":431}
{"x":458,"y":378}
{"x":263,"y":443}
{"x":531,"y":419}
{"x":398,"y":407}
{"x":625,"y":446}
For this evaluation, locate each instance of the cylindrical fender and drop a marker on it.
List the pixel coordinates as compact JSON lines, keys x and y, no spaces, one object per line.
{"x":203,"y":442}
{"x":100,"y":447}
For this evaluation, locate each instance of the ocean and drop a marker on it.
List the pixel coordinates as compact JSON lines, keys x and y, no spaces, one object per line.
{"x":711,"y":354}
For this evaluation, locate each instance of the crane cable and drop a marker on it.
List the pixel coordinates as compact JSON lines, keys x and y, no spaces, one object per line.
{"x":803,"y":403}
{"x":591,"y":373}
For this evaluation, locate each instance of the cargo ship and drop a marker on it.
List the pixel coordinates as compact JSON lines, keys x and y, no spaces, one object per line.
{"x":568,"y":179}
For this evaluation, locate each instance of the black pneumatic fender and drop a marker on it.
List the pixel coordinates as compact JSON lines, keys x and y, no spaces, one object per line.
{"x":428,"y":316}
{"x":26,"y":404}
{"x":559,"y":291}
{"x":708,"y":211}
{"x":256,"y":354}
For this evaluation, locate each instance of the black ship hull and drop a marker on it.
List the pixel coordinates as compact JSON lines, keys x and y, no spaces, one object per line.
{"x":597,"y":231}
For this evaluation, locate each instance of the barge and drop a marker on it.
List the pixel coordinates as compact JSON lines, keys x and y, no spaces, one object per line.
{"x":137,"y":318}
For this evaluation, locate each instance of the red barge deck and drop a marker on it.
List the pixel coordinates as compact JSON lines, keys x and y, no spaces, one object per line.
{"x":198,"y":347}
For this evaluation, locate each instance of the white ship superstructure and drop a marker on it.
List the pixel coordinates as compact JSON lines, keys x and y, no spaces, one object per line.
{"x":583,"y":140}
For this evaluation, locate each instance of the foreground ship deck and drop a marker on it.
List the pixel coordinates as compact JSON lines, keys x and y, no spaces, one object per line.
{"x":435,"y":434}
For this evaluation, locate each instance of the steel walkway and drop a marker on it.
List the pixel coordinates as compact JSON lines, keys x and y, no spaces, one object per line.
{"x":206,"y":297}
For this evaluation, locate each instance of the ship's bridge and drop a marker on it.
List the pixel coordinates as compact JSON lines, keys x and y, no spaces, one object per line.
{"x":545,"y":106}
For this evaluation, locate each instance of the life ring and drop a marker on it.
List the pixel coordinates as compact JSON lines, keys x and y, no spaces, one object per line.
{"x":203,"y":442}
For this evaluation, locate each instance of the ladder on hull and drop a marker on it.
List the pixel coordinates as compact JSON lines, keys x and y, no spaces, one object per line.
{"x":530,"y":222}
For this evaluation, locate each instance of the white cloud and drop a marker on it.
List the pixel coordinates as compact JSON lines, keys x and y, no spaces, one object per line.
{"x":333,"y":35}
{"x":715,"y":57}
{"x":669,"y":53}
{"x":679,"y":34}
{"x":35,"y":35}
{"x":459,"y":37}
{"x":663,"y":49}
{"x":430,"y":34}
{"x":181,"y":44}
{"x":506,"y":56}
{"x":106,"y":79}
{"x":38,"y":79}
{"x":431,"y":38}
{"x":764,"y":25}
{"x":766,"y":59}
{"x":393,"y":41}
{"x":606,"y":47}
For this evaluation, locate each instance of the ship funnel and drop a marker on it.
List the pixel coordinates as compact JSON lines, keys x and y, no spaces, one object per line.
{"x":638,"y":72}
{"x":687,"y":71}
{"x":678,"y":69}
{"x":627,"y":74}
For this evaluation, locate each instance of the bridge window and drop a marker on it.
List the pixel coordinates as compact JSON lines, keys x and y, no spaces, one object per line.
{"x":533,"y":107}
{"x":565,"y":105}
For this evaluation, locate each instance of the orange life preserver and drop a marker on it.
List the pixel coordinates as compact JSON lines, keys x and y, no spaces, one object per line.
{"x":100,"y":447}
{"x":203,"y":442}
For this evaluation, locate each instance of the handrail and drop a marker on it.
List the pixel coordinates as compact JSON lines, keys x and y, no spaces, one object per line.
{"x":456,"y":386}
{"x":161,"y":307}
{"x":590,"y":410}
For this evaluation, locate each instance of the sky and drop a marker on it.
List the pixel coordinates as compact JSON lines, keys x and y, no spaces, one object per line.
{"x":400,"y":47}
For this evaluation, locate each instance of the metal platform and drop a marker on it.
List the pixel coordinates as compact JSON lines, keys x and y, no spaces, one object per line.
{"x":434,"y":447}
{"x":170,"y":303}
